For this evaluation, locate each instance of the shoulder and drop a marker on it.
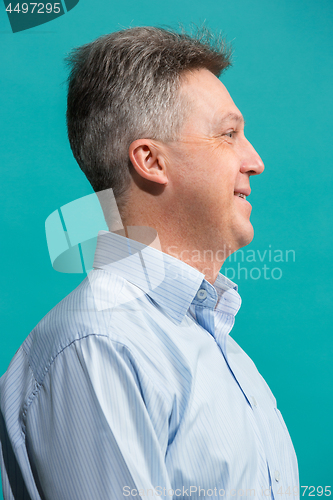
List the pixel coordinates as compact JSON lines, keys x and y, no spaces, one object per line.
{"x":86,"y":311}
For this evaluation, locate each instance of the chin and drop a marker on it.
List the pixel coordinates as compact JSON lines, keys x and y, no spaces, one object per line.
{"x":245,"y":236}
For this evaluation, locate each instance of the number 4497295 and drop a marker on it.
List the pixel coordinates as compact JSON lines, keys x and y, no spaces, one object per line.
{"x":38,"y":8}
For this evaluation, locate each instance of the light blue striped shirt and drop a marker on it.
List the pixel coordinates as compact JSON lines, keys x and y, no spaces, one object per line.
{"x":131,"y":387}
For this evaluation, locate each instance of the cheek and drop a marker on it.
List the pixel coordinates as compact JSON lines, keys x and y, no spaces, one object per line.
{"x":222,"y":178}
{"x":205,"y":173}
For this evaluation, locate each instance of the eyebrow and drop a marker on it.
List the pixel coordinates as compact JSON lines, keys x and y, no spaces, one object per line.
{"x":230,"y":116}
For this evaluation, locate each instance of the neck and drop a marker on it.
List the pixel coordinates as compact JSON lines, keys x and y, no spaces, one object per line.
{"x":199,"y":247}
{"x":203,"y":257}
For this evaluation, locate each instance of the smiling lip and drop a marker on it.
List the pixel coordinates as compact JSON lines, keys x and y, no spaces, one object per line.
{"x":243,"y":193}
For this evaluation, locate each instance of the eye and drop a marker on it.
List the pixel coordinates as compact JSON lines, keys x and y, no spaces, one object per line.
{"x":230,"y":134}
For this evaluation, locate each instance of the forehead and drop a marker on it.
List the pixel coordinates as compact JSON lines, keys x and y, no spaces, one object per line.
{"x":210,"y":102}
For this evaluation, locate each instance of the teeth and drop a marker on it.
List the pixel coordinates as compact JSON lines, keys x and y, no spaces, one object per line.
{"x":242,"y":196}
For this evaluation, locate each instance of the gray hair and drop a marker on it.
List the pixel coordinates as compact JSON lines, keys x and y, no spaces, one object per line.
{"x":125,"y":86}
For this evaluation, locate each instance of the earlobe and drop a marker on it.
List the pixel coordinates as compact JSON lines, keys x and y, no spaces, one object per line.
{"x":148,"y":161}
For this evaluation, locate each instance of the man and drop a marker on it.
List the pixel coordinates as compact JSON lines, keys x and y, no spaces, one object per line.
{"x":131,"y":386}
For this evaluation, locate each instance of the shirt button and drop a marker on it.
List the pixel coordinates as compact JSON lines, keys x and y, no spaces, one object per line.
{"x":202,"y":294}
{"x":254,"y":401}
{"x":277,"y":476}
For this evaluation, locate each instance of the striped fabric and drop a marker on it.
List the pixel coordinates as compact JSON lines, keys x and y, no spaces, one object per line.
{"x":132,"y":387}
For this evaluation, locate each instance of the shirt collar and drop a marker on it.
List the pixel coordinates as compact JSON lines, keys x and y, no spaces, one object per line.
{"x":168,"y":281}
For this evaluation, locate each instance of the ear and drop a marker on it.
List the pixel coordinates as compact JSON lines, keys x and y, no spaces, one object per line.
{"x":148,"y":160}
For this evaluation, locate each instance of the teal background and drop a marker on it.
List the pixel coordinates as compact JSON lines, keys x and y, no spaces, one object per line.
{"x":282,"y":82}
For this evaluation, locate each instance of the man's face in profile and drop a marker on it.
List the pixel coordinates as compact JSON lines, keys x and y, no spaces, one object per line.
{"x":212,"y":162}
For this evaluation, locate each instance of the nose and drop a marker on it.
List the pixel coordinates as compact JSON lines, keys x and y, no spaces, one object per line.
{"x":251,"y":161}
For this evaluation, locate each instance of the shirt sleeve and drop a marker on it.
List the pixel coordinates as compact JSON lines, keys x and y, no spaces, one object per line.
{"x":89,"y":431}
